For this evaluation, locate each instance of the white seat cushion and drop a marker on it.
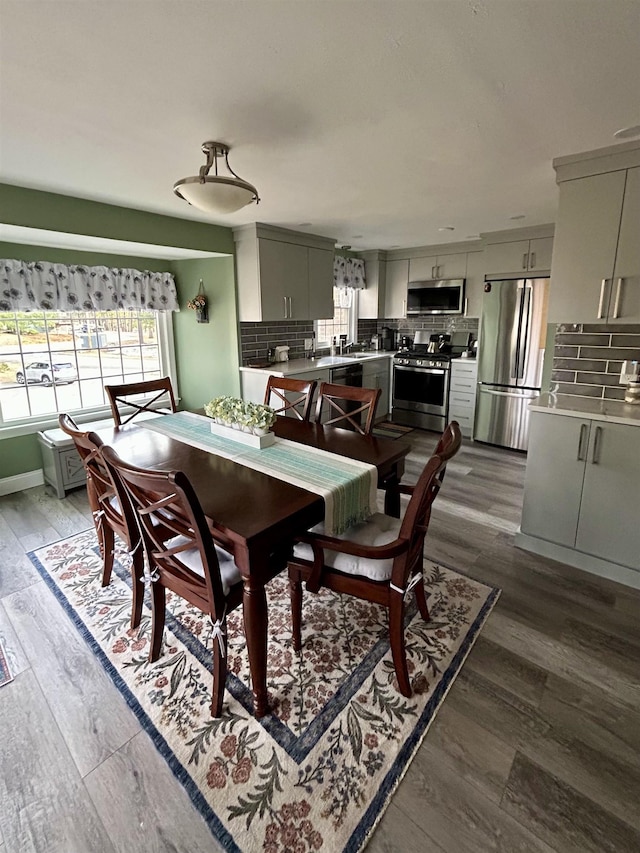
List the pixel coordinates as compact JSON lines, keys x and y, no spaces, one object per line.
{"x":379,"y":529}
{"x":229,"y":572}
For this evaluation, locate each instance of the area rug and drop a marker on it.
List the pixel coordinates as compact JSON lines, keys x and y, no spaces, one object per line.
{"x":386,"y":429}
{"x":319,"y":771}
{"x":5,"y":671}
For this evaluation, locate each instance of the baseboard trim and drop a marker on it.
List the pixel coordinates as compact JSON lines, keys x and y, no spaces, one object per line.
{"x":594,"y":565}
{"x":19,"y":482}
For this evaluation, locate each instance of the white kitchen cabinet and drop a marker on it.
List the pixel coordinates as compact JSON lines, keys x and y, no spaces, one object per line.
{"x":474,"y":285}
{"x":581,"y":486}
{"x":396,"y":289}
{"x":595,"y":273}
{"x":371,"y":300}
{"x":377,"y":374}
{"x":462,"y":393}
{"x":519,"y":256}
{"x":283,"y":275}
{"x":438,"y":266}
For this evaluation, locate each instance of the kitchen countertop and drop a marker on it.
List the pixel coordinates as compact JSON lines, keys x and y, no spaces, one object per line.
{"x":307,"y":365}
{"x":611,"y":411}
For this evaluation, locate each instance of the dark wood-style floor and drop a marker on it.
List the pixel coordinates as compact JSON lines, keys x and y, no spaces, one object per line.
{"x":536,"y":747}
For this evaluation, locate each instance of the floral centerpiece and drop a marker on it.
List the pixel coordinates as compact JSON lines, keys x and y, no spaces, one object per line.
{"x":246,"y":418}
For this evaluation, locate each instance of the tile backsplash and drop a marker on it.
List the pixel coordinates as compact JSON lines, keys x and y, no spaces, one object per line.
{"x":587,"y":358}
{"x":256,"y":338}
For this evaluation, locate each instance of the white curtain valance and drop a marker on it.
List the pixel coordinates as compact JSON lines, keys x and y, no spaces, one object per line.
{"x":45,"y":286}
{"x":348,"y":272}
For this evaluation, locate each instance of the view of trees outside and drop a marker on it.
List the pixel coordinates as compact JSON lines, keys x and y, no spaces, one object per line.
{"x":85,"y":349}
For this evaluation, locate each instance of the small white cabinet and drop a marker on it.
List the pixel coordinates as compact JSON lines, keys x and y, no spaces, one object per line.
{"x":283,"y":275}
{"x":595,"y":273}
{"x":581,"y":486}
{"x":438,"y":266}
{"x":377,"y":374}
{"x":395,"y":305}
{"x":519,"y":256}
{"x":462,"y":393}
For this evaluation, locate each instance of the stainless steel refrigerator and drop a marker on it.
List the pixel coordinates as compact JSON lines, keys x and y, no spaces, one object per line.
{"x":510,"y":353}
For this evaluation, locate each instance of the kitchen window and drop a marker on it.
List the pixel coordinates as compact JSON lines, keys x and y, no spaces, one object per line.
{"x":57,"y":361}
{"x":344,"y":321}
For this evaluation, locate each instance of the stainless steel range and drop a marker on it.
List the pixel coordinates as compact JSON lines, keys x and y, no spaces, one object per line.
{"x":421,"y":382}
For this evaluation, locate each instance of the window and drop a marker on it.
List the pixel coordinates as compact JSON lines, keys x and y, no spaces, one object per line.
{"x":344,"y":321}
{"x":55,"y":361}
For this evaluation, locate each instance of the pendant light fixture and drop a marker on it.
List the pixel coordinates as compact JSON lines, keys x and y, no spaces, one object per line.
{"x":216,"y":193}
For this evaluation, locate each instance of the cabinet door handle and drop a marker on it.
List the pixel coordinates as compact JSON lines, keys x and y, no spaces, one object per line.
{"x":404,"y":307}
{"x":525,"y":258}
{"x":601,"y":303}
{"x":533,"y":260}
{"x":616,"y":306}
{"x":285,"y":307}
{"x":466,"y":305}
{"x":581,"y":442}
{"x":438,"y":273}
{"x":433,"y":272}
{"x":290,"y":307}
{"x":595,"y":456}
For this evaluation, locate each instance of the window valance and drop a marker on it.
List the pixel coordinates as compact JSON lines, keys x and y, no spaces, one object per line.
{"x":348,"y":272}
{"x":45,"y":286}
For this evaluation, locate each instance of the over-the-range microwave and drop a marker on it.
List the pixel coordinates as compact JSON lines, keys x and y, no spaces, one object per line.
{"x":442,"y":296}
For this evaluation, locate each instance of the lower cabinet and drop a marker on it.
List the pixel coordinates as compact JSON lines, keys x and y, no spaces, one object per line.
{"x":581,"y":486}
{"x":462,"y":394}
{"x":377,"y":374}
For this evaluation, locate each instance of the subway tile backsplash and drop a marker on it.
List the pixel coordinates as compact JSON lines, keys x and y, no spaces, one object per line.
{"x":587,"y":359}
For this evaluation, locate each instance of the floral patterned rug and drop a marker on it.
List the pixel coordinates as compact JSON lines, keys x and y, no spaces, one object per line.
{"x":320,"y":770}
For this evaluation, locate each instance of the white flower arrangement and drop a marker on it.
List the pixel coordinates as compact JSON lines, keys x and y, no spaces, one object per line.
{"x":249,"y":417}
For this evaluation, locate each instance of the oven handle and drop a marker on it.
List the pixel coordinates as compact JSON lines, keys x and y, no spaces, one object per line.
{"x":435,"y":370}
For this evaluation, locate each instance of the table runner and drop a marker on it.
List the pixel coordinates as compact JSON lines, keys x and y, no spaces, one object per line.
{"x":348,"y":486}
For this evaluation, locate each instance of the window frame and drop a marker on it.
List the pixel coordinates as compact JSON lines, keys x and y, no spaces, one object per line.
{"x":353,"y":322}
{"x":37,"y":423}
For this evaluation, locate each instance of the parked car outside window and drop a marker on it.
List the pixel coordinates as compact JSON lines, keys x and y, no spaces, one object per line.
{"x":48,"y":372}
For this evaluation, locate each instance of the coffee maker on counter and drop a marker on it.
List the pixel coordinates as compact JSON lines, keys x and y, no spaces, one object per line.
{"x":388,"y":339}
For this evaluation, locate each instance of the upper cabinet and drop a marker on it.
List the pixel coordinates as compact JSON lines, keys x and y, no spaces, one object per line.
{"x":438,"y":266}
{"x":395,"y":303}
{"x":519,"y":256}
{"x":283,"y":275}
{"x":595,"y":274}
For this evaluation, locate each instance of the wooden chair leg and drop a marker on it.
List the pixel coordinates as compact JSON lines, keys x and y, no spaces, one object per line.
{"x":396,"y":635}
{"x":219,"y":675}
{"x":295,"y":592}
{"x":421,"y":600}
{"x":158,"y":603}
{"x":137,"y":586}
{"x":107,"y":545}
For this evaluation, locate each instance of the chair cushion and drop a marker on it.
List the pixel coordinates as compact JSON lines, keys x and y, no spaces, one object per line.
{"x":379,"y":529}
{"x":229,"y":572}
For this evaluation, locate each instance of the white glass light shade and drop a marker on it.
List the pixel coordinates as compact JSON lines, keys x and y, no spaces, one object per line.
{"x":215,"y":195}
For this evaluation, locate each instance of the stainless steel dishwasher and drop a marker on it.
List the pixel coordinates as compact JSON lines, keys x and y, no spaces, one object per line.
{"x":347,"y":374}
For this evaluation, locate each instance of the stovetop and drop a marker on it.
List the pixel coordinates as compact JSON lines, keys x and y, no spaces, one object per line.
{"x":420,"y":355}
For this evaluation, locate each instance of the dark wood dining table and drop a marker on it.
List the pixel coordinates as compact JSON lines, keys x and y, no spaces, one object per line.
{"x":255,"y":516}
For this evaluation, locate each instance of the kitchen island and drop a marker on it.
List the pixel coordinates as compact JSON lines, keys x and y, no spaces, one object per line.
{"x":582,"y":485}
{"x":376,"y":372}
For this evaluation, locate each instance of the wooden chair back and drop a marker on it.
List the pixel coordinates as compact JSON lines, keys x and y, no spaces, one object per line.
{"x":112,"y":511}
{"x":279,"y":393}
{"x":121,"y":396}
{"x":346,"y":405}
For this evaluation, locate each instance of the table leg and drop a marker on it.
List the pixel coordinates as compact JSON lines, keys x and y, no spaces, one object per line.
{"x":254,"y":605}
{"x":392,"y":496}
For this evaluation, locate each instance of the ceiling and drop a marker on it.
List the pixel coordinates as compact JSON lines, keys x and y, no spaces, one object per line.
{"x":376,"y":123}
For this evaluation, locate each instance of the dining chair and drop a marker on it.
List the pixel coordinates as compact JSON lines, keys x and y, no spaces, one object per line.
{"x":278,"y":395}
{"x":123,"y":397}
{"x":345,"y":406}
{"x":380,"y":560}
{"x":182,"y":556}
{"x":111,"y":510}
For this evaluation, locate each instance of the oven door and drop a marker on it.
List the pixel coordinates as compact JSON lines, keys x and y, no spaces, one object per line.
{"x":421,"y":389}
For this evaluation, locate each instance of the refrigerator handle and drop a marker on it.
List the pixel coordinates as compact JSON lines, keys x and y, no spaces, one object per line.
{"x":524,"y":345}
{"x":516,"y":361}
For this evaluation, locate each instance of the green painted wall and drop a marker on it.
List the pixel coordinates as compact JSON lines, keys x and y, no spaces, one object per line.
{"x":206,"y":354}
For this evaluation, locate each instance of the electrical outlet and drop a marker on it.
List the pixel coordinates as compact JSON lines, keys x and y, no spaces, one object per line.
{"x":308,"y":343}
